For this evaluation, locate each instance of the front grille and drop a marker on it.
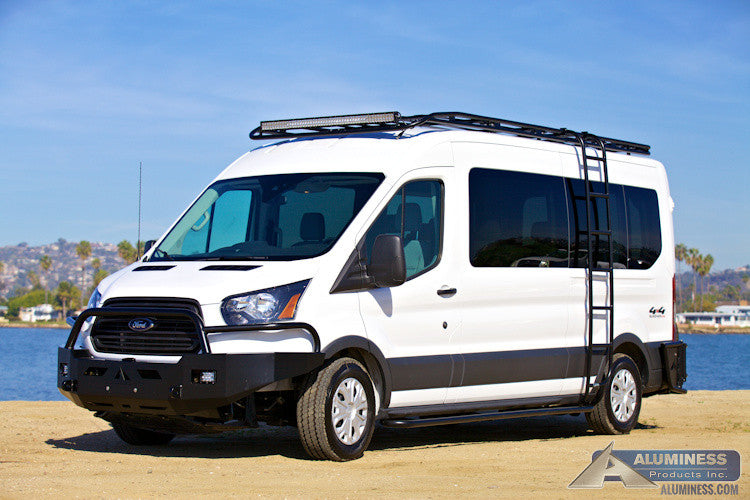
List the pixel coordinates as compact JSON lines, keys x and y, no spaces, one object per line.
{"x":160,"y":302}
{"x":170,"y":335}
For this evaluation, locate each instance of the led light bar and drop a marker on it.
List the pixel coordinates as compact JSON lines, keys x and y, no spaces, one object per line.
{"x":395,"y":122}
{"x":330,"y":121}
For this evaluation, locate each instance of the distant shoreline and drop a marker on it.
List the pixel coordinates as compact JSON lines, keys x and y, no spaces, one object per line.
{"x":16,"y":324}
{"x":710,"y":330}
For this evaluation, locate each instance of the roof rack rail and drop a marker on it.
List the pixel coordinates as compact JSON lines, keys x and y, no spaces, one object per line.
{"x":394,"y":121}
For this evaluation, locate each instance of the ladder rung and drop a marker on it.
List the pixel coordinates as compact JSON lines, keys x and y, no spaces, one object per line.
{"x":603,"y":308}
{"x":599,"y":195}
{"x":603,"y":269}
{"x":589,"y":157}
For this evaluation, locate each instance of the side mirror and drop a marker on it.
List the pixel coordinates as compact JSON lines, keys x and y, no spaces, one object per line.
{"x":147,"y":246}
{"x":387,"y":266}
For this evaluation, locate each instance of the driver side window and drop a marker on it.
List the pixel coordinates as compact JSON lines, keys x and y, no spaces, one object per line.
{"x":415,"y":213}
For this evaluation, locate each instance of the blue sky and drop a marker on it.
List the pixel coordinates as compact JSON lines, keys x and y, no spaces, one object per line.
{"x":89,"y":89}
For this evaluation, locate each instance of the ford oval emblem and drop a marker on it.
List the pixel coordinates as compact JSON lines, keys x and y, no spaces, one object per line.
{"x":141,"y":324}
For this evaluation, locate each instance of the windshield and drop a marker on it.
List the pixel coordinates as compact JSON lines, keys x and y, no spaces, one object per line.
{"x":270,"y":217}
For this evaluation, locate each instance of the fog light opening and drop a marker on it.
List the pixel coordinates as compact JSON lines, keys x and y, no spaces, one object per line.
{"x":204,"y":376}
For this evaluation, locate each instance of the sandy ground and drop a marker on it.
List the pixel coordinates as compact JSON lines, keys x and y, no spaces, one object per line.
{"x":58,"y":449}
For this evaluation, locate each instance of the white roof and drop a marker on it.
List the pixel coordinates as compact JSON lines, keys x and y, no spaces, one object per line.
{"x":382,"y":152}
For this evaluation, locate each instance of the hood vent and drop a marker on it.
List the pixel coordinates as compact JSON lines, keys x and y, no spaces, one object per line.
{"x":228,"y":267}
{"x":153,"y":268}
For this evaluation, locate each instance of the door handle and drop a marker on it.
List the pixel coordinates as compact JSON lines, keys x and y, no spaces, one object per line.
{"x":446,"y":292}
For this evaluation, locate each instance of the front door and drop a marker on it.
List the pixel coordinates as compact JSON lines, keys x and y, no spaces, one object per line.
{"x":413,"y":323}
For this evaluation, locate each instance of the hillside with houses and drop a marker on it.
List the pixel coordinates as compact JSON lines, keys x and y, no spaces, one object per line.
{"x":22,"y":268}
{"x":44,"y":282}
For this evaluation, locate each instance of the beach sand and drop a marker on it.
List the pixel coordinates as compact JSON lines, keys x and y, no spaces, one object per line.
{"x":58,"y":449}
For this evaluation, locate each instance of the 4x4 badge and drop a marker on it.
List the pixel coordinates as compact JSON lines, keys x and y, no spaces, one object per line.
{"x":656,"y":312}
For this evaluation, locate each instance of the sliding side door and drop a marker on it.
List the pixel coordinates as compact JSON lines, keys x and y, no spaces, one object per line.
{"x":514,"y":291}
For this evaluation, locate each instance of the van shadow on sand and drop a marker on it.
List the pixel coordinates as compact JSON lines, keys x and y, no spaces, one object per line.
{"x":284,"y":441}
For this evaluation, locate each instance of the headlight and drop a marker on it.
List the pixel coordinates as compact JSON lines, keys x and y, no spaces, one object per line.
{"x":263,"y":306}
{"x":95,"y":299}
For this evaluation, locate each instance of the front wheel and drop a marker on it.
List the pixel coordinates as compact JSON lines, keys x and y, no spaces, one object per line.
{"x":336,"y":412}
{"x":617,"y":410}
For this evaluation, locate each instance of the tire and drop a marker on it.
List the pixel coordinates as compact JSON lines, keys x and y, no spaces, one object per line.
{"x":141,"y":437}
{"x":617,"y":410}
{"x":336,"y":412}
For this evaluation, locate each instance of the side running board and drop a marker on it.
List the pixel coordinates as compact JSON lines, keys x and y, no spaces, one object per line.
{"x":404,"y":423}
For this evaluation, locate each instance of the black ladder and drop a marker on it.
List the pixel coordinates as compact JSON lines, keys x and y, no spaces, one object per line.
{"x":595,"y":268}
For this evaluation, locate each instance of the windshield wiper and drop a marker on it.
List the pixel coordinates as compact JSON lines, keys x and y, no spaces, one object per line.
{"x":164,"y":254}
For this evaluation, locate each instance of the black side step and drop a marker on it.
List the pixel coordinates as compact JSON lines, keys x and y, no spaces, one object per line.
{"x":405,"y":423}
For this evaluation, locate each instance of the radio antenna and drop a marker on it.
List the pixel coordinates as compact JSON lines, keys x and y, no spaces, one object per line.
{"x":140,"y":191}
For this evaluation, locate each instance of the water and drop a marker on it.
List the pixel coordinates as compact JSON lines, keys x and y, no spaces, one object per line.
{"x":717,"y":362}
{"x":28,"y":362}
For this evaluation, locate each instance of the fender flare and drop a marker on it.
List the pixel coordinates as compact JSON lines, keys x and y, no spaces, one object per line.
{"x":357,"y":342}
{"x":634,"y":339}
{"x":652,"y":355}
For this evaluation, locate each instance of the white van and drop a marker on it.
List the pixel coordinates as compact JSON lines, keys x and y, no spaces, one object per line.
{"x":415,"y":271}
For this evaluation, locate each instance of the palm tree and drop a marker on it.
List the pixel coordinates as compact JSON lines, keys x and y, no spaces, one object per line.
{"x":693,"y":260}
{"x":34,"y":280}
{"x":96,"y":265}
{"x":66,"y":293}
{"x":127,"y":252}
{"x":680,"y":254}
{"x":45,"y":264}
{"x":83,"y":250}
{"x":706,"y":263}
{"x":98,"y":277}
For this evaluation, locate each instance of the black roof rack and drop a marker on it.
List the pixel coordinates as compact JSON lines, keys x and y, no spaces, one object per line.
{"x":393,"y":121}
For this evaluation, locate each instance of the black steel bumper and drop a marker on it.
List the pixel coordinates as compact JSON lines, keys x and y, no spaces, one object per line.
{"x":174,"y":388}
{"x":673,"y":359}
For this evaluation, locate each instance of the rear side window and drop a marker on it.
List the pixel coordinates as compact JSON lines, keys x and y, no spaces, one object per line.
{"x":600,"y":244}
{"x":517,"y":219}
{"x":644,"y":229}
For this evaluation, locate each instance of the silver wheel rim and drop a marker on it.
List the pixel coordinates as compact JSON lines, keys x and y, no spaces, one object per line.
{"x":349,"y":411}
{"x":623,"y":395}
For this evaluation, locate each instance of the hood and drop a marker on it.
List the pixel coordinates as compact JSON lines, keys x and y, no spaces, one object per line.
{"x":208,"y":282}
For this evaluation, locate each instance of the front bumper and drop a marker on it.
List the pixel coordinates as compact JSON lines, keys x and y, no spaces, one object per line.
{"x":173,"y":389}
{"x":131,"y":386}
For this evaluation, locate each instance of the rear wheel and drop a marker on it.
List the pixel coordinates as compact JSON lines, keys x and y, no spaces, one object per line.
{"x":141,"y":437}
{"x":617,"y":410}
{"x":336,"y":412}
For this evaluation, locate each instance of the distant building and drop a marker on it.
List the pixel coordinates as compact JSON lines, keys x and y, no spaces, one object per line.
{"x":43,"y":312}
{"x":3,"y":310}
{"x":734,"y":309}
{"x":724,"y":316}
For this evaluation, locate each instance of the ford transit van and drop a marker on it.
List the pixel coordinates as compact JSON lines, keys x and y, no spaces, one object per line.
{"x":406,"y":270}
